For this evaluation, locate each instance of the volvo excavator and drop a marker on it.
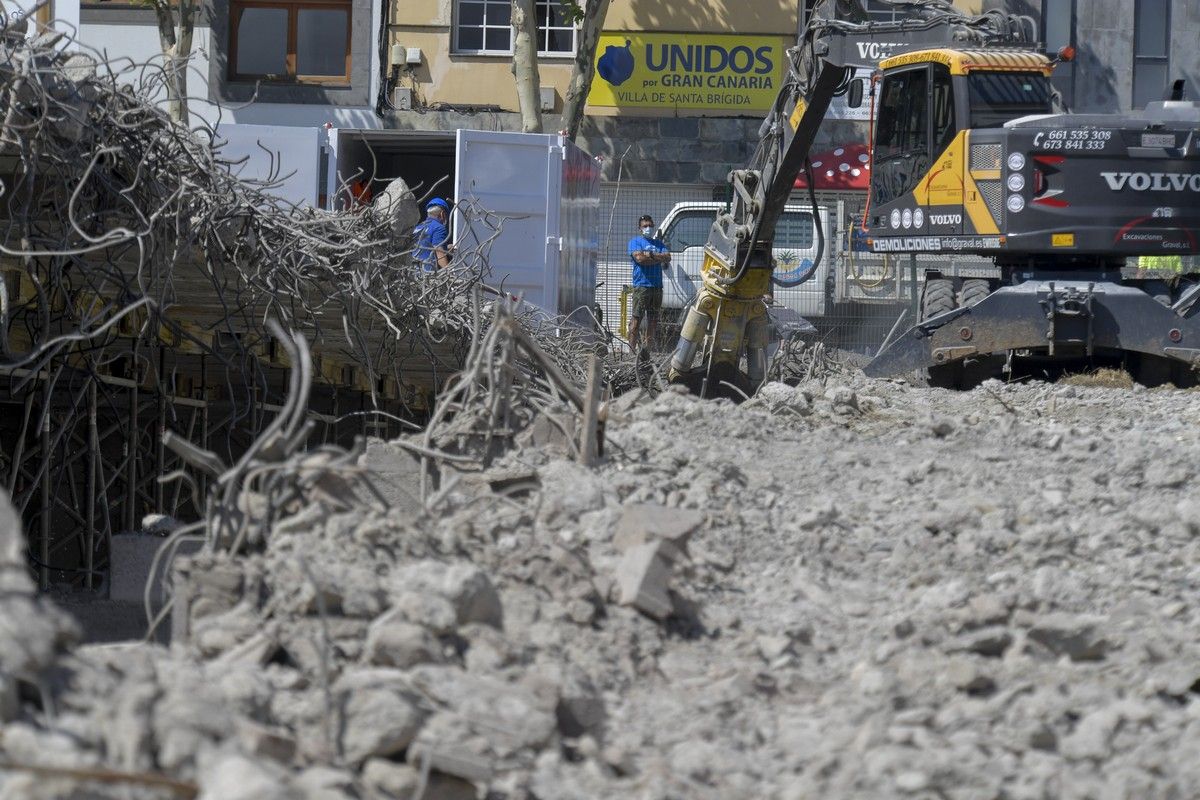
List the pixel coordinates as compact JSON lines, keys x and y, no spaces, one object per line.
{"x":972,"y":152}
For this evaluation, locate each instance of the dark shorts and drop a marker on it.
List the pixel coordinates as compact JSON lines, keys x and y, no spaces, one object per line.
{"x":645,"y":301}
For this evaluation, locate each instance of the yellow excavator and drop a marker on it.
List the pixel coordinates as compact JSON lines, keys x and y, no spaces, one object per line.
{"x":972,"y":152}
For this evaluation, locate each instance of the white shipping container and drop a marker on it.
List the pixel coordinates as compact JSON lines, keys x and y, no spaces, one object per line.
{"x":544,"y":193}
{"x":540,"y":192}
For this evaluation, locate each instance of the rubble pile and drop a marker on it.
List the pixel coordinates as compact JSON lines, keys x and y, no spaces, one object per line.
{"x":845,"y":588}
{"x":168,"y":247}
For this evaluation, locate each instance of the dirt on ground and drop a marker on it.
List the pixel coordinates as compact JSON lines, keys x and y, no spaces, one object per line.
{"x":842,"y":589}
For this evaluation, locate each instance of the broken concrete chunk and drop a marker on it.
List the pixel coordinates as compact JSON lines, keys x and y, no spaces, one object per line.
{"x":213,"y":584}
{"x":465,"y":586}
{"x":991,"y":642}
{"x":236,"y":777}
{"x":379,"y":718}
{"x":431,"y":611}
{"x":984,"y":610}
{"x":772,"y":647}
{"x":473,"y":596}
{"x":643,"y":580}
{"x":397,"y":204}
{"x":222,"y":633}
{"x":507,"y":716}
{"x":394,"y":642}
{"x":1075,"y":636}
{"x":966,"y":676}
{"x":649,"y":522}
{"x":549,"y":432}
{"x":259,"y":740}
{"x":1092,"y":736}
{"x":448,"y":746}
{"x":580,"y":706}
{"x":387,"y":779}
{"x":325,"y":783}
{"x":620,"y":406}
{"x":714,"y":555}
{"x":396,"y":475}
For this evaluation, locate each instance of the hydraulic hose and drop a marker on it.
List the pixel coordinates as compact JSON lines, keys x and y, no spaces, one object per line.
{"x":812,"y":270}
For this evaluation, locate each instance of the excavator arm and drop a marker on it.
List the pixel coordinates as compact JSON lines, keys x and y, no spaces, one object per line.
{"x":729,"y":317}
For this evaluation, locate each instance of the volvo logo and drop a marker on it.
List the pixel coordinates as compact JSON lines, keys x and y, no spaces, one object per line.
{"x":945,"y":219}
{"x":1152,"y":181}
{"x":876,"y":51}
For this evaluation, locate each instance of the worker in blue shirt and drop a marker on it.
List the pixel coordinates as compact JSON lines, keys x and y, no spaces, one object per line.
{"x":648,"y":255}
{"x":431,"y":251}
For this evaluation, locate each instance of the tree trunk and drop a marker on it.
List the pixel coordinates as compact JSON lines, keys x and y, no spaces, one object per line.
{"x":176,"y":45}
{"x":594,"y":12}
{"x":525,"y":65}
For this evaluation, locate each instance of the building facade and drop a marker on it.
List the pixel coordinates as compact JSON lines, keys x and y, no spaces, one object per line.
{"x":296,"y":63}
{"x":444,"y":64}
{"x":1128,"y":50}
{"x":459,"y":75}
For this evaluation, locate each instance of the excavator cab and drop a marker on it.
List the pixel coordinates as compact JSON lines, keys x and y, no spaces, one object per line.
{"x":928,"y":179}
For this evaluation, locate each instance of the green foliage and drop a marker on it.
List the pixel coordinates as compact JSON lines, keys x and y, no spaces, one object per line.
{"x":574,"y":10}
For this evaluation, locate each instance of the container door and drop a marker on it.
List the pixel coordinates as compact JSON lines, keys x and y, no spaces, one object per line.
{"x":288,"y":157}
{"x":503,"y":210}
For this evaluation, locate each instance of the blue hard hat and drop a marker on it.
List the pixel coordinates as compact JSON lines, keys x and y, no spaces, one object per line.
{"x":437,"y":202}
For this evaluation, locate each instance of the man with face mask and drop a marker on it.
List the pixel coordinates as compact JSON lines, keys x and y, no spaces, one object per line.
{"x":648,"y":255}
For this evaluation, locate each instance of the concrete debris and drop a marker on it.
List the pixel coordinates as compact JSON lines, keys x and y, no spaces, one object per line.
{"x":1078,"y":637}
{"x":647,"y":522}
{"x":377,"y":716}
{"x":467,"y":588}
{"x":397,"y":204}
{"x":817,"y":593}
{"x":236,"y":777}
{"x":643,"y":576}
{"x":393,"y":642}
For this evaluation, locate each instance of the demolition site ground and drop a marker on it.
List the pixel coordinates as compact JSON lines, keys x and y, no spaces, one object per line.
{"x":845,"y":588}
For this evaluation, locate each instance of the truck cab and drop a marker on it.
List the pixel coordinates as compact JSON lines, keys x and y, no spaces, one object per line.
{"x":685,"y":231}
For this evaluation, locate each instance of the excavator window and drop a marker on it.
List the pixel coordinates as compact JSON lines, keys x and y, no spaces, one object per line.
{"x":944,"y":126}
{"x":903,"y":121}
{"x":997,"y":97}
{"x":902,"y":134}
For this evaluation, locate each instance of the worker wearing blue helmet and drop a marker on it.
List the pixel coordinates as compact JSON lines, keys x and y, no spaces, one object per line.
{"x":431,"y":234}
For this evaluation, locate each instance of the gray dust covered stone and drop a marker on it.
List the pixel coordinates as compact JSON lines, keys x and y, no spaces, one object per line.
{"x":846,"y":589}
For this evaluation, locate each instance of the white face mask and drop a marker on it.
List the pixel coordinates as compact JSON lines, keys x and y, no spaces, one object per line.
{"x":646,"y":230}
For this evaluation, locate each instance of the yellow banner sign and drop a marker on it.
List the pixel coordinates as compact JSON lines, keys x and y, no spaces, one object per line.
{"x":682,"y":70}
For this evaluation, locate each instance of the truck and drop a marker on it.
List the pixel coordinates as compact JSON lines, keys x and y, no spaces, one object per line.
{"x":685,"y":232}
{"x":531,"y":200}
{"x":973,"y":152}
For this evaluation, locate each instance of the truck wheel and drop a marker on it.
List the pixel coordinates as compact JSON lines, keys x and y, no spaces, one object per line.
{"x":974,"y":290}
{"x":938,"y":297}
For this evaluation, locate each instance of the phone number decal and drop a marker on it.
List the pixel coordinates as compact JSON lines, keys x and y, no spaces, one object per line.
{"x":1072,"y":139}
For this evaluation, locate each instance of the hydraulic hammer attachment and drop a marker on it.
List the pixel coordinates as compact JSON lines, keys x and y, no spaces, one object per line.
{"x":727,"y":321}
{"x":1051,"y":317}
